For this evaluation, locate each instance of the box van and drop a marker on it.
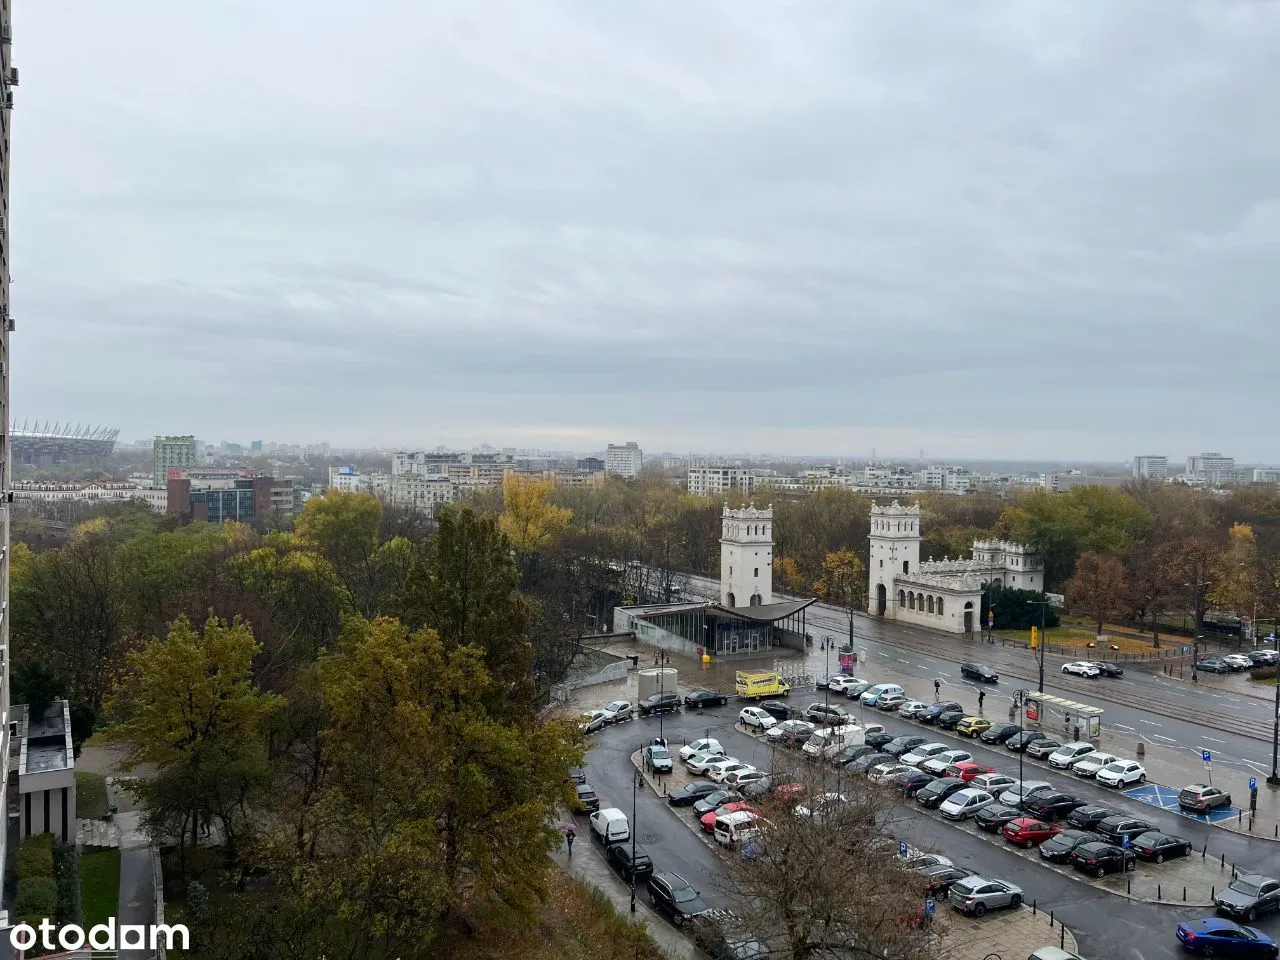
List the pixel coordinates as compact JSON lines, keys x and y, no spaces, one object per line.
{"x":829,"y":741}
{"x":872,"y":694}
{"x":610,"y":826}
{"x":753,"y":686}
{"x":735,"y":827}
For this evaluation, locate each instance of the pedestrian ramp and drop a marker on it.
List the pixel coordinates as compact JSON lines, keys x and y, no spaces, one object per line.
{"x":1166,"y":798}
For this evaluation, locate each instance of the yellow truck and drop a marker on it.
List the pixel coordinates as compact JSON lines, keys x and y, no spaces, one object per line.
{"x":754,"y":686}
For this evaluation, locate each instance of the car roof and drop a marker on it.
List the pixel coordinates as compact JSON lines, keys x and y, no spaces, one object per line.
{"x":1211,"y":923}
{"x":1256,"y":878}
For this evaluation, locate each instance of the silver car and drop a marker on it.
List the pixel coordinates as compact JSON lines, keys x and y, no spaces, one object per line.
{"x":618,"y":710}
{"x":976,"y":895}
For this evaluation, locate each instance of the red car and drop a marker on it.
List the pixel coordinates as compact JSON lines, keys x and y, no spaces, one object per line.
{"x":1028,"y":831}
{"x":966,"y":770}
{"x":708,"y":820}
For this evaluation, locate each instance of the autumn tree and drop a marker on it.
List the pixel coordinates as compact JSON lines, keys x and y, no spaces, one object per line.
{"x":843,"y":582}
{"x":786,"y":574}
{"x":1188,"y":566}
{"x":343,"y":528}
{"x":529,"y":519}
{"x":1099,"y":588}
{"x":1238,"y":574}
{"x":191,"y":710}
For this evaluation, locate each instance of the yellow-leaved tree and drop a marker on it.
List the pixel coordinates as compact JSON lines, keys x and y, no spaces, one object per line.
{"x":529,"y":519}
{"x":843,"y":582}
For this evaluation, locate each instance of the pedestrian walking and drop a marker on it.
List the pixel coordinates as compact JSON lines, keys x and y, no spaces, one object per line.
{"x":569,"y":834}
{"x":982,"y":695}
{"x":937,"y":688}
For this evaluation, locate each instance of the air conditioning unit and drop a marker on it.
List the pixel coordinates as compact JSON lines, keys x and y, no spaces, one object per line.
{"x":13,"y":76}
{"x":6,"y":33}
{"x":9,"y":324}
{"x":8,"y":101}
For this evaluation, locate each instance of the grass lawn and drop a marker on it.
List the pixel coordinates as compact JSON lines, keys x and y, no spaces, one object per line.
{"x":100,"y":885}
{"x":1080,"y":638}
{"x":91,"y":796}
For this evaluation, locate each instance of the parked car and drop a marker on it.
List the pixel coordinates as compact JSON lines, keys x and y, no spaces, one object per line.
{"x":967,"y":770}
{"x":993,"y":782}
{"x":657,"y":759}
{"x":740,"y":779}
{"x":1000,"y":732}
{"x":1099,"y":858}
{"x":818,"y":805}
{"x":932,"y":795}
{"x":701,"y":745}
{"x":691,"y":793}
{"x":848,"y":755}
{"x":1122,"y":773}
{"x":910,"y":780}
{"x":925,"y":751}
{"x":1042,"y":748}
{"x":842,"y":682}
{"x":936,"y":709}
{"x":890,"y":701}
{"x":1238,"y":662}
{"x":708,"y":820}
{"x":1058,"y":849}
{"x":871,"y":696}
{"x":1213,"y":665}
{"x":1069,"y":754}
{"x":714,"y":801}
{"x":1108,"y":669}
{"x":973,"y":727}
{"x":1249,"y":897}
{"x":913,"y":709}
{"x":674,"y":896}
{"x":700,"y":762}
{"x":1051,"y":805}
{"x":938,"y":764}
{"x":1264,"y":658}
{"x":965,"y":804}
{"x":1015,"y":795}
{"x":1088,"y":817}
{"x":1029,"y":831}
{"x":950,"y":719}
{"x":978,"y":671}
{"x":876,"y":737}
{"x":887,"y":772}
{"x":856,"y":690}
{"x":629,"y":865}
{"x":618,"y":710}
{"x":939,"y":877}
{"x":1157,"y":846}
{"x":706,"y":698}
{"x":718,"y":771}
{"x":920,"y":861}
{"x":1020,"y":741}
{"x":994,"y":816}
{"x":577,"y":775}
{"x":585,"y":799}
{"x":790,"y":733}
{"x":1214,"y":936}
{"x":777,"y":709}
{"x":1081,"y":668}
{"x":737,"y":826}
{"x":1089,"y":765}
{"x":976,"y":895}
{"x":865,"y":763}
{"x":756,"y":717}
{"x":1123,"y":825}
{"x":902,"y":745}
{"x":593,"y":720}
{"x":610,"y":825}
{"x":723,"y":936}
{"x":657,"y":703}
{"x":826,"y":714}
{"x":1199,"y":797}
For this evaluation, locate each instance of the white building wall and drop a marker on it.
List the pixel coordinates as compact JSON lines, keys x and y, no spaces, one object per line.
{"x":624,"y":460}
{"x":895,"y":551}
{"x":746,"y":556}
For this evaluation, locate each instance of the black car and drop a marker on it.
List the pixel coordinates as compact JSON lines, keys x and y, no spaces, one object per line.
{"x":900,"y":745}
{"x":1058,"y":849}
{"x":1099,"y":858}
{"x":1213,"y":665}
{"x":1001,"y":733}
{"x":673,"y":895}
{"x":1020,"y":741}
{"x":931,"y":795}
{"x":911,"y":781}
{"x":856,"y":690}
{"x":1089,"y":816}
{"x":1108,"y":669}
{"x":938,"y":879}
{"x":691,"y":793}
{"x":585,"y":798}
{"x":659,"y":703}
{"x":1159,"y":846}
{"x":931,"y":715}
{"x":847,"y":755}
{"x":778,"y":710}
{"x":1051,"y":806}
{"x":1249,"y":897}
{"x":619,"y":857}
{"x":879,"y":740}
{"x":714,"y":801}
{"x":978,"y":671}
{"x":867,"y":761}
{"x":995,"y":815}
{"x":1118,"y":827}
{"x":577,"y":775}
{"x":1263,"y":658}
{"x":723,"y":936}
{"x":948,"y":719}
{"x":705,"y":698}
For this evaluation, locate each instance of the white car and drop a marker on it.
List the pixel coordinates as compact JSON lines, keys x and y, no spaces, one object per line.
{"x":815,"y":805}
{"x":740,"y":778}
{"x":920,"y":860}
{"x":1121,"y":773}
{"x":705,"y":745}
{"x":1092,"y":763}
{"x":1014,"y":796}
{"x":701,"y":762}
{"x":756,"y":717}
{"x":1238,"y":661}
{"x":718,"y":771}
{"x":993,"y":782}
{"x":913,"y":708}
{"x":1081,"y":668}
{"x":615,"y":711}
{"x":842,"y":683}
{"x":593,"y":720}
{"x":937,"y":765}
{"x":926,"y":751}
{"x":1069,"y":754}
{"x":965,"y":803}
{"x":883,"y":773}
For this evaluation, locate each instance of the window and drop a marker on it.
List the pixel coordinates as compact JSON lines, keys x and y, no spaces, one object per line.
{"x":904,"y":566}
{"x":930,"y":602}
{"x":939,"y":606}
{"x":756,"y":572}
{"x":911,"y":601}
{"x":902,"y":598}
{"x":882,"y":564}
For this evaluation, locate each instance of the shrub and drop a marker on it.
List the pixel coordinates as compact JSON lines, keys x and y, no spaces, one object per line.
{"x":35,"y":856}
{"x":1263,"y":673}
{"x":36,"y":899}
{"x":66,"y":868}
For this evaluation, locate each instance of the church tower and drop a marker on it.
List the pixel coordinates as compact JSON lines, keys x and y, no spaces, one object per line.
{"x":746,"y":556}
{"x":895,"y":551}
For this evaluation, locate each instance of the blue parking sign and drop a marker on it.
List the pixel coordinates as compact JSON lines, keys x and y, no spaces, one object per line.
{"x":1206,"y":756}
{"x":902,"y":848}
{"x":1253,"y":784}
{"x":930,"y":905}
{"x":1126,"y":843}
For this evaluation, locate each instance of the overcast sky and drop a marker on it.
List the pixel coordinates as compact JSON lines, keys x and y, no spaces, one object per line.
{"x":981,"y":229}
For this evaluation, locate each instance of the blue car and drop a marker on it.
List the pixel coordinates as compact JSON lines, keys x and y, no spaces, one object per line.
{"x":937,"y":709}
{"x":1225,"y":938}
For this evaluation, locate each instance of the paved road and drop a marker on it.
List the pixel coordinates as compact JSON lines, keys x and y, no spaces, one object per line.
{"x":1108,"y":927}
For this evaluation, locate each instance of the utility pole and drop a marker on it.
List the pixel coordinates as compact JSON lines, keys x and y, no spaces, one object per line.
{"x":637,"y":780}
{"x":1274,"y":779}
{"x":1199,"y":589}
{"x":1042,"y":604}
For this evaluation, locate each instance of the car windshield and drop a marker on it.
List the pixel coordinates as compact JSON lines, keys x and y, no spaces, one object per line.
{"x":658,"y":753}
{"x":1115,"y":767}
{"x":684,"y":894}
{"x":1248,"y":889}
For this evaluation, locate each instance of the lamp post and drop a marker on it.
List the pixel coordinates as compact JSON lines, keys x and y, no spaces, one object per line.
{"x":1041,"y":604}
{"x":1199,"y":589}
{"x":1022,"y":723}
{"x":637,"y":781}
{"x":1274,"y":779}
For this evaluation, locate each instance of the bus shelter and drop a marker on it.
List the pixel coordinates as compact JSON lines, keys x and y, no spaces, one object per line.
{"x":1072,"y":719}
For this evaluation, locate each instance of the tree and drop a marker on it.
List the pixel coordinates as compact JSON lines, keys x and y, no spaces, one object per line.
{"x":529,"y":519}
{"x":1099,"y":588}
{"x":843,"y":582}
{"x":343,"y":528}
{"x":1238,"y":575}
{"x":1148,"y":587}
{"x":786,"y":574}
{"x":1018,"y":609}
{"x":192,"y":710}
{"x":1188,"y":566}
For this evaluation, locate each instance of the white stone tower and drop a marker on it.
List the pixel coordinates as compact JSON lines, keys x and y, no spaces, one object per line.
{"x":746,"y":556}
{"x":895,"y":550}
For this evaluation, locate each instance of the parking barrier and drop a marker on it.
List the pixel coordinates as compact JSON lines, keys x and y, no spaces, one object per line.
{"x":1062,"y":937}
{"x":1213,"y":893}
{"x":1128,"y":884}
{"x":1184,"y":894}
{"x":1204,"y":852}
{"x":1050,"y":919}
{"x":1159,"y":895}
{"x":1033,"y":908}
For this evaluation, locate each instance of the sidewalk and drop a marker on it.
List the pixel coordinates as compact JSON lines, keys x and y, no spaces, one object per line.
{"x":137,"y":880}
{"x":1012,"y":934}
{"x":1238,"y":684}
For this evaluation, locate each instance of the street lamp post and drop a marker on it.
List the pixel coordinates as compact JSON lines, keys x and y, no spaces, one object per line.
{"x":663,"y":659}
{"x":1042,"y":604}
{"x":1022,"y":723}
{"x":1274,"y":779}
{"x":637,"y":781}
{"x":1199,"y":589}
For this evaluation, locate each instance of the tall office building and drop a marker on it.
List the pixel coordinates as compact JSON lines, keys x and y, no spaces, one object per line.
{"x":624,"y":459}
{"x":169,"y":452}
{"x":1150,"y":467}
{"x":8,"y":80}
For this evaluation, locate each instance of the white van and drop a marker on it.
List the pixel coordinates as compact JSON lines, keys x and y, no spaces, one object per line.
{"x":610,"y":826}
{"x":829,"y":741}
{"x":735,"y":827}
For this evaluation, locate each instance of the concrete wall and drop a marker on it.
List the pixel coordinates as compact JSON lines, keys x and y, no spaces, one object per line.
{"x":49,"y":811}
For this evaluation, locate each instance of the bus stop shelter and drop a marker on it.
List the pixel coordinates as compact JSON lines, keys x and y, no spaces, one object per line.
{"x":1074,"y":720}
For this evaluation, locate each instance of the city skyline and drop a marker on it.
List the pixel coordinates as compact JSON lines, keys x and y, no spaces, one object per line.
{"x":1042,"y":231}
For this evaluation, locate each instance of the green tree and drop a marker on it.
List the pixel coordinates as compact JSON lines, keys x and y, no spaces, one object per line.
{"x":1018,"y":609}
{"x":343,"y":528}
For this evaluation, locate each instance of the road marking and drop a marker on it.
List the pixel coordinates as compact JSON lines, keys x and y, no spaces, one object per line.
{"x":1162,"y":737}
{"x":1150,"y":722}
{"x":1122,"y":726}
{"x":1215,"y":740}
{"x":907,"y":662}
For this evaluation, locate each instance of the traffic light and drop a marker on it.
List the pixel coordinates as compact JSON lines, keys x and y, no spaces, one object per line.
{"x":1035,"y":637}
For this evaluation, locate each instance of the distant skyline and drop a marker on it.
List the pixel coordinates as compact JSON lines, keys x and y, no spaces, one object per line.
{"x":1019,"y":229}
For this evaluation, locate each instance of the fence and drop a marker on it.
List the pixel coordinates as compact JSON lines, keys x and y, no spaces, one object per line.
{"x":1168,"y":650}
